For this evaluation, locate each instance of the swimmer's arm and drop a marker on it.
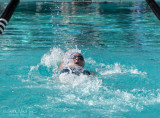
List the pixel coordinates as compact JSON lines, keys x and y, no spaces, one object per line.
{"x":61,"y":66}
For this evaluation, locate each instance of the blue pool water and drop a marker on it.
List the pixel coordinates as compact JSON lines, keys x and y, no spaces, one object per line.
{"x":120,"y":43}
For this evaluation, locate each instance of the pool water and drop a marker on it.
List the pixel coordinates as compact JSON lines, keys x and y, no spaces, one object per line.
{"x":119,"y":41}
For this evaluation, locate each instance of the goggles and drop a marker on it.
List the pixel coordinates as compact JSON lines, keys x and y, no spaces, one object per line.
{"x":79,"y":57}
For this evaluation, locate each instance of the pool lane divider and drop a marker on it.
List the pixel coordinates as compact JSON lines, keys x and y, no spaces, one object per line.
{"x":7,"y":14}
{"x":155,"y":8}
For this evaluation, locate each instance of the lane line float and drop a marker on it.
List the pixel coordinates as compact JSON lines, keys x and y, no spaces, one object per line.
{"x":7,"y":14}
{"x":155,"y":8}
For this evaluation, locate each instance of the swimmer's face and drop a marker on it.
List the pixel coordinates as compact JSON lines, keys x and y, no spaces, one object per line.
{"x":77,"y":60}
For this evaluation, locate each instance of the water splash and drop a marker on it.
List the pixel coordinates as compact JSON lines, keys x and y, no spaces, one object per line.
{"x":120,"y":69}
{"x":52,"y":58}
{"x":89,"y":92}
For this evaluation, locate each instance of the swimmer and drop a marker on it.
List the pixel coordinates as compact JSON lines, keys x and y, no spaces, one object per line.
{"x":73,"y":63}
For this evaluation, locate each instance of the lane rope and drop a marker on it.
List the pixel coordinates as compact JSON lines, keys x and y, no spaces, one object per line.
{"x":7,"y":14}
{"x":155,"y":7}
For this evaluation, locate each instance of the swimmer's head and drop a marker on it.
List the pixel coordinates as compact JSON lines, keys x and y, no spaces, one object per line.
{"x":74,"y":58}
{"x":77,"y":60}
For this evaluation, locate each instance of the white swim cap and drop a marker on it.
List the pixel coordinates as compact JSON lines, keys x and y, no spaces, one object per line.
{"x":69,"y":54}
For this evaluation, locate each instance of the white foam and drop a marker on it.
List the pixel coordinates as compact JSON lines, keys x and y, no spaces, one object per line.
{"x":52,"y":58}
{"x":90,"y":61}
{"x":74,"y":80}
{"x":120,"y":69}
{"x":135,"y":71}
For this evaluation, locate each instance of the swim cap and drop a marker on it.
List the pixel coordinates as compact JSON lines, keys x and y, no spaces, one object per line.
{"x":69,"y":54}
